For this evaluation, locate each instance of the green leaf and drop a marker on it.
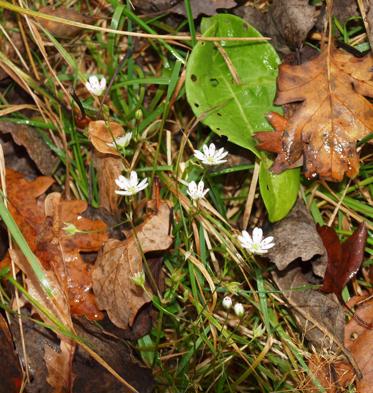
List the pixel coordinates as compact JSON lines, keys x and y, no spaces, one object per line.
{"x":279,"y":192}
{"x":146,"y":347}
{"x":235,"y":110}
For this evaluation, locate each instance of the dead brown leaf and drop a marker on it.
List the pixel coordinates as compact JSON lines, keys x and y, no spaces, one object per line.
{"x":120,"y":260}
{"x":60,"y":30}
{"x":332,"y":376}
{"x":108,"y":169}
{"x":333,"y":116}
{"x":59,"y":365}
{"x":42,"y":225}
{"x":100,"y":133}
{"x":359,"y":341}
{"x":299,"y":256}
{"x":38,"y":151}
{"x":206,"y":7}
{"x":303,"y":246}
{"x":60,"y":251}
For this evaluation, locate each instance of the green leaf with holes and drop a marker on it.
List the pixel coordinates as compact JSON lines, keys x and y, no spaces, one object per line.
{"x":279,"y":192}
{"x":231,"y":86}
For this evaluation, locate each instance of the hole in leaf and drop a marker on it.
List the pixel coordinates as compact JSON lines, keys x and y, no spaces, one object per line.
{"x":219,"y":114}
{"x":193,"y":77}
{"x":268,"y":187}
{"x":196,"y":105}
{"x":218,"y":128}
{"x":214,"y":82}
{"x":354,"y":336}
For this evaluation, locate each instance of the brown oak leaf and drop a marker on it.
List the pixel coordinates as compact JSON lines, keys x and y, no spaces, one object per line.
{"x":42,"y":224}
{"x":119,"y":261}
{"x":333,"y":116}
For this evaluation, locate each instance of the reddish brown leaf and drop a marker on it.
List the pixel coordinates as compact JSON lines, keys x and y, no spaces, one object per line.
{"x":333,"y":116}
{"x":42,"y":225}
{"x":272,"y":141}
{"x":60,"y":251}
{"x":344,"y":260}
{"x":359,"y":341}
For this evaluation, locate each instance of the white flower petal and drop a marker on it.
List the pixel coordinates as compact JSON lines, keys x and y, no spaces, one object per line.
{"x":257,"y":235}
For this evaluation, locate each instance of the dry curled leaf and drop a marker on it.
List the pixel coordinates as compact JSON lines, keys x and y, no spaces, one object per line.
{"x":333,"y":116}
{"x":344,"y":260}
{"x":119,"y":261}
{"x":108,"y":169}
{"x":100,"y":133}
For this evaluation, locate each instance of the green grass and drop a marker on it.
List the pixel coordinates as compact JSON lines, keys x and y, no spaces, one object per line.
{"x":192,"y":346}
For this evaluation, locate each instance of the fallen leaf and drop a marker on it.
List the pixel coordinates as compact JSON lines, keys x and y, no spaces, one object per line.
{"x":38,"y":151}
{"x":42,"y":225}
{"x":333,"y":116}
{"x":290,"y":21}
{"x":60,"y":30}
{"x":332,"y":376}
{"x":299,"y":256}
{"x":297,"y":240}
{"x":320,"y":316}
{"x":100,"y":133}
{"x":206,"y":7}
{"x":359,"y":341}
{"x":60,"y":379}
{"x":119,"y":261}
{"x":108,"y":168}
{"x":59,"y":365}
{"x":11,"y":373}
{"x":59,"y":250}
{"x":344,"y":260}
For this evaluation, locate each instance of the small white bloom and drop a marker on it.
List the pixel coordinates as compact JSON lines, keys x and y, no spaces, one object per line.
{"x":256,"y":244}
{"x":122,"y":141}
{"x":227,"y":302}
{"x":139,"y":279}
{"x":238,"y":309}
{"x":210,"y":155}
{"x":95,"y":86}
{"x":197,"y":191}
{"x":130,"y":185}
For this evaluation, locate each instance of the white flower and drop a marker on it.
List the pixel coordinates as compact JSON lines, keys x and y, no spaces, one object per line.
{"x":227,"y":302}
{"x":197,"y":191}
{"x":131,"y":185}
{"x":256,"y":244}
{"x":238,"y":309}
{"x":94,"y":86}
{"x":122,"y":141}
{"x":210,"y":155}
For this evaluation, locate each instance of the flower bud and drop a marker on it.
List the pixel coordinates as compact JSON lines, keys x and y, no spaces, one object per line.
{"x":238,"y":309}
{"x":227,"y":302}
